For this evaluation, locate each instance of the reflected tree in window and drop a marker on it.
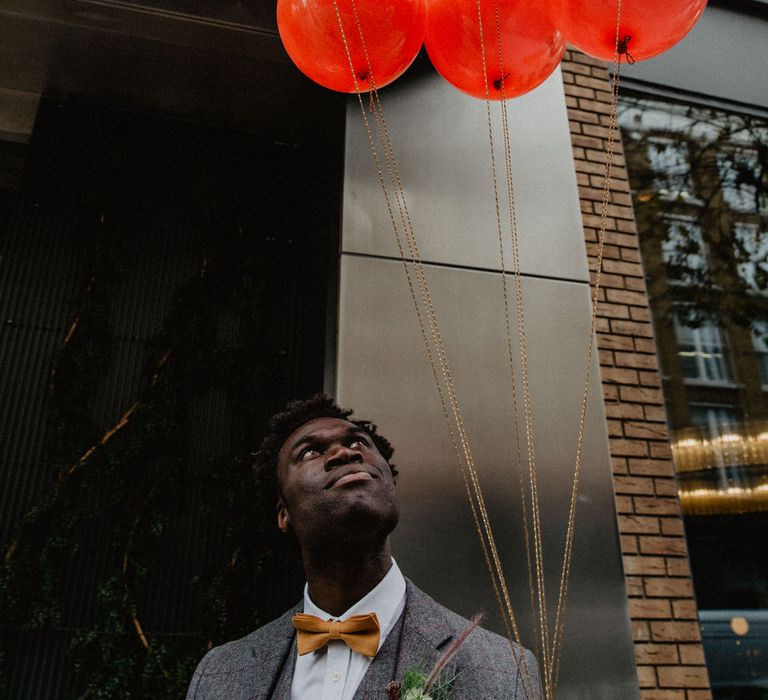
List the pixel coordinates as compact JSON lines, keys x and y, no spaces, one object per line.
{"x":700,"y":181}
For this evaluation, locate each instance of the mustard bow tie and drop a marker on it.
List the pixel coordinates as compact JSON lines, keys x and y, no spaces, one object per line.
{"x":360,"y":632}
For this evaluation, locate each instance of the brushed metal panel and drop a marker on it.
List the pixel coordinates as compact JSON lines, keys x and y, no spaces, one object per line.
{"x":711,"y":60}
{"x":440,"y":139}
{"x":383,"y":373}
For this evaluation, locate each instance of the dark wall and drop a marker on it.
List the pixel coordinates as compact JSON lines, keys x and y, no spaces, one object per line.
{"x":163,"y":289}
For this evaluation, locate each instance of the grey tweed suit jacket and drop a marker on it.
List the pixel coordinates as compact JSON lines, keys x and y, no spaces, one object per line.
{"x":260,"y":666}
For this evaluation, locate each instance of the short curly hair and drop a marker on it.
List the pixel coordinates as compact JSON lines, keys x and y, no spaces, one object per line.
{"x":295,"y":414}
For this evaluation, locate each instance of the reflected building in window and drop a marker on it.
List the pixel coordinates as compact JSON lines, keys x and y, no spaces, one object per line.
{"x":699,"y":177}
{"x":702,"y":351}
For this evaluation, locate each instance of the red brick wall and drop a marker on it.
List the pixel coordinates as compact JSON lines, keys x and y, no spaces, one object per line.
{"x":670,"y":661}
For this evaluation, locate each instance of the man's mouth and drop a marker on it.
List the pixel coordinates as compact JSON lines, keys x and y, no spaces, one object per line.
{"x":350,"y":478}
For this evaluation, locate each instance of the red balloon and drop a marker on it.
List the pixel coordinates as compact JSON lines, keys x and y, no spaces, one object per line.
{"x":647,"y":27}
{"x":393,"y":31}
{"x":531,"y":46}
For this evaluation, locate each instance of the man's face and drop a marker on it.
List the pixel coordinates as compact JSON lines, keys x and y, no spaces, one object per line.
{"x":334,"y":484}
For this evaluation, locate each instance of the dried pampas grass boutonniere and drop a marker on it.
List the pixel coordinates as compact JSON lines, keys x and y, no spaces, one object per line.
{"x":417,"y":684}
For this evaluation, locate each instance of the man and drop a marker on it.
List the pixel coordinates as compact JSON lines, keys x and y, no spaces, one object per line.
{"x":336,"y":489}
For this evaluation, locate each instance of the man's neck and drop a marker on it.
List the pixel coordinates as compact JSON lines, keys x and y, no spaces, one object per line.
{"x":337,"y":582}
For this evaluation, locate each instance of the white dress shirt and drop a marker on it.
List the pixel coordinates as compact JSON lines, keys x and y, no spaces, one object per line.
{"x":335,"y":671}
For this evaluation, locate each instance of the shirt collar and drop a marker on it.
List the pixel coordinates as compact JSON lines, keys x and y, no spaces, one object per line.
{"x":385,"y":599}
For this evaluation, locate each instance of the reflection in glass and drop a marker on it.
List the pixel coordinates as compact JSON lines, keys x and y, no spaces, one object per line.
{"x":739,"y":170}
{"x":683,"y":250}
{"x":751,"y":254}
{"x":760,"y":344}
{"x":702,"y":351}
{"x":668,"y":159}
{"x":722,"y":467}
{"x":699,"y":177}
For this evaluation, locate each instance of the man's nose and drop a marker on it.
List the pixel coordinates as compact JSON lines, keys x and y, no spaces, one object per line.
{"x":342,"y":455}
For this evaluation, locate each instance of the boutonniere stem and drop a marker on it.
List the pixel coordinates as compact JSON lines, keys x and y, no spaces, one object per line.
{"x":418,"y":685}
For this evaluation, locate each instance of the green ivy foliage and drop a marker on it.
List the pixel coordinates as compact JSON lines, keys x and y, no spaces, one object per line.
{"x":121,"y":501}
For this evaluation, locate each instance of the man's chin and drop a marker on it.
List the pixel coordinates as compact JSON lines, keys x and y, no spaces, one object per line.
{"x":362,"y":520}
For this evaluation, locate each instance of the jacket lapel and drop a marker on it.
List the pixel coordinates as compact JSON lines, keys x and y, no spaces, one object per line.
{"x":413,"y":643}
{"x":425,"y":632}
{"x":273,"y":659}
{"x":382,"y":668}
{"x":284,"y":678}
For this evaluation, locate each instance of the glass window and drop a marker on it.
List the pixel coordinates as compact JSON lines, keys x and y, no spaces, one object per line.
{"x":683,"y":250}
{"x":702,"y":350}
{"x":668,"y":158}
{"x":716,"y":419}
{"x":739,"y":177}
{"x":760,"y":344}
{"x":751,"y":250}
{"x":701,"y":171}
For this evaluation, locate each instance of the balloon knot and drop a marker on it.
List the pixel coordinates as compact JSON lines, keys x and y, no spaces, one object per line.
{"x":499,"y":82}
{"x":623,"y":48}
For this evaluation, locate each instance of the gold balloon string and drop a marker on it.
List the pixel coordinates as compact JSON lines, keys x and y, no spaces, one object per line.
{"x":426,"y":296}
{"x":450,"y":387}
{"x":554,"y":671}
{"x":481,"y":520}
{"x":520,"y":306}
{"x":504,"y":286}
{"x":527,"y":403}
{"x":422,"y":280}
{"x":432,"y":318}
{"x":472,"y":486}
{"x":540,"y":610}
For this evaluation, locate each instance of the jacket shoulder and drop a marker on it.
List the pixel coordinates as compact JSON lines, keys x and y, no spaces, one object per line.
{"x":230,"y":656}
{"x":483,"y":646}
{"x":493,"y":665}
{"x":232,"y":663}
{"x":486,"y":662}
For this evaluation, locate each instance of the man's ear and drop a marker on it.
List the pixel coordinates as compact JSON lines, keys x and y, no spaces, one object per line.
{"x":283,"y":520}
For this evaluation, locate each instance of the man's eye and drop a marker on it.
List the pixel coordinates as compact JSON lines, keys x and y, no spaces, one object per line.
{"x":308,"y":453}
{"x":359,"y":442}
